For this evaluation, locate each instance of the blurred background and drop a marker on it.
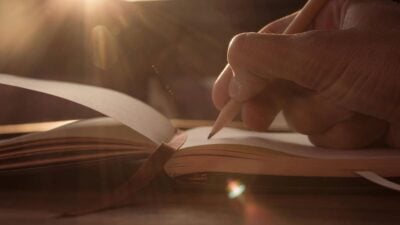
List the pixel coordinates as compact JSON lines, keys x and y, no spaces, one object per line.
{"x":166,"y":53}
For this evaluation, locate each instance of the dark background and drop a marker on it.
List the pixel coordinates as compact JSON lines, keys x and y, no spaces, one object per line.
{"x":166,"y":53}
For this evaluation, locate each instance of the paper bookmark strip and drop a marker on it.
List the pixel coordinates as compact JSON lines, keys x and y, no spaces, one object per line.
{"x":375,"y":178}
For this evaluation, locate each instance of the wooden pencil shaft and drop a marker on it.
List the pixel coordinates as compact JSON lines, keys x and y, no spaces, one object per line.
{"x":226,"y":115}
{"x":305,"y":16}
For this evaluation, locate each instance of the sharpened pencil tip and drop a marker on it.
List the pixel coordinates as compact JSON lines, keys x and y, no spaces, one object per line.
{"x":210,"y":136}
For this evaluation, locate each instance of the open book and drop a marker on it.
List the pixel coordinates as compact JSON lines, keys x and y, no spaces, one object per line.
{"x":133,"y":130}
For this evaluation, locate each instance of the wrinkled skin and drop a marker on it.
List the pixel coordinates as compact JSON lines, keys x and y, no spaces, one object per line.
{"x":338,"y":82}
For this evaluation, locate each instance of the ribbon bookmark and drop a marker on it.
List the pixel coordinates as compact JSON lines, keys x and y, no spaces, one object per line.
{"x":123,"y":194}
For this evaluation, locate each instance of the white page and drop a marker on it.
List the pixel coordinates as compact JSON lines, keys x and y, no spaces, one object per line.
{"x":101,"y":128}
{"x":289,"y":143}
{"x":121,"y":107}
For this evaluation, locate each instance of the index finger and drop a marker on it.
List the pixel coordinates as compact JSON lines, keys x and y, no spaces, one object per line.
{"x":220,"y":92}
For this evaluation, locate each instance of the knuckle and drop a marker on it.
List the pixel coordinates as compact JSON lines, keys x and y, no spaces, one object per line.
{"x":237,"y":46}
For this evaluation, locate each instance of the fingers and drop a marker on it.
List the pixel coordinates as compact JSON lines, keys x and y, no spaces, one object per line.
{"x":258,"y":115}
{"x":311,"y":114}
{"x":220,"y":92}
{"x":298,"y":58}
{"x":259,"y":112}
{"x":358,"y":132}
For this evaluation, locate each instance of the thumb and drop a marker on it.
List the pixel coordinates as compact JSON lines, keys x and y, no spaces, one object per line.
{"x":313,"y":59}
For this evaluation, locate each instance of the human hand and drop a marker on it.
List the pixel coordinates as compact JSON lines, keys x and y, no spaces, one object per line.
{"x":339,"y":82}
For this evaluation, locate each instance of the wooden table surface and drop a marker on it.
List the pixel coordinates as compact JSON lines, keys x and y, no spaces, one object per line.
{"x":40,"y":207}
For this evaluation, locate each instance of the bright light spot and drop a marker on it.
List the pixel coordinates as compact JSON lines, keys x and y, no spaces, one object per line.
{"x":235,"y":188}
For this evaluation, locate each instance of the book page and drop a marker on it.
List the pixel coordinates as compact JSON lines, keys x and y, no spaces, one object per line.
{"x":288,"y":143}
{"x":102,"y":128}
{"x":125,"y":109}
{"x":84,"y":141}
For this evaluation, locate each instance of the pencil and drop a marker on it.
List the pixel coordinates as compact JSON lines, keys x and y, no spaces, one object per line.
{"x":299,"y":24}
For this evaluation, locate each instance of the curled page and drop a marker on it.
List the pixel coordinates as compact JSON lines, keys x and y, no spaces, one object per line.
{"x":121,"y":107}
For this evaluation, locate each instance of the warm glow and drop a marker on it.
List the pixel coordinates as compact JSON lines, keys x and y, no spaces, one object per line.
{"x":146,"y":0}
{"x":27,"y":28}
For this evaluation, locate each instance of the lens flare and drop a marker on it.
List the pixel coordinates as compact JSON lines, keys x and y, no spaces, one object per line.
{"x":104,"y":47}
{"x":235,"y":189}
